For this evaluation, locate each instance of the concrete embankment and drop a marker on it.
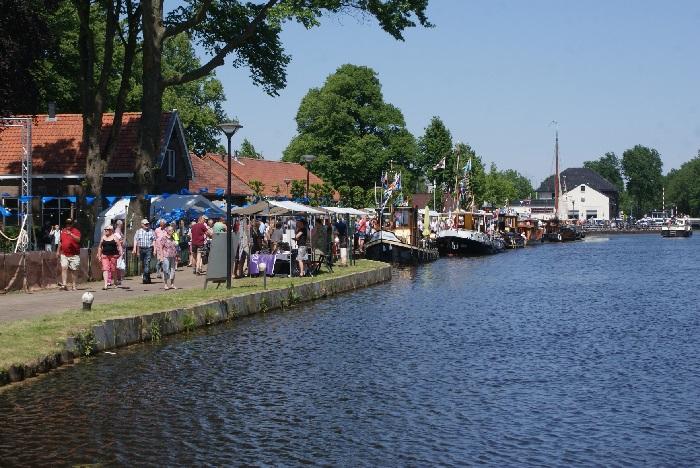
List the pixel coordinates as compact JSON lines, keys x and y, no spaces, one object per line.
{"x":118,"y":332}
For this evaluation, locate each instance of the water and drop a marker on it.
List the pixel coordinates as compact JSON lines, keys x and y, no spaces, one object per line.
{"x":569,"y":354}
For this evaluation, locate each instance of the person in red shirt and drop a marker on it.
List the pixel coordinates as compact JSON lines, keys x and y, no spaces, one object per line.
{"x":198,"y":234}
{"x":69,"y":253}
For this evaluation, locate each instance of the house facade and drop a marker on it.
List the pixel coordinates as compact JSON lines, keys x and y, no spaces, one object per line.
{"x":584,"y":194}
{"x":58,"y":163}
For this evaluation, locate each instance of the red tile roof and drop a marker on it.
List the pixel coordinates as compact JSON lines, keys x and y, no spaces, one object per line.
{"x":212,"y":176}
{"x":270,"y":173}
{"x":57,"y":145}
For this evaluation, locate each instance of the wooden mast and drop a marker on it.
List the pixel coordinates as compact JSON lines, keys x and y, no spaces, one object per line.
{"x":556,"y":175}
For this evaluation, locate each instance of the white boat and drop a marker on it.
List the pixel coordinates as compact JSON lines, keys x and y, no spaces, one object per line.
{"x":677,"y":227}
{"x":467,"y":236}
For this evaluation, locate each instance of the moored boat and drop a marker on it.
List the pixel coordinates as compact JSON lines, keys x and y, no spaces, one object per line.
{"x":468,"y":236}
{"x":677,"y":227}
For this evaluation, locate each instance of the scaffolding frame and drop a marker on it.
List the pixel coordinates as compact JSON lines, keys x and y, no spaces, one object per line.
{"x":25,"y":200}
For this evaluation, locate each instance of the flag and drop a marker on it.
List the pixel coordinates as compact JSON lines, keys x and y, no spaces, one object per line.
{"x":111,"y":200}
{"x":468,"y":167}
{"x":397,"y":181}
{"x":220,"y":192}
{"x":385,"y":181}
{"x":89,"y":200}
{"x":440,"y":165}
{"x":46,"y":199}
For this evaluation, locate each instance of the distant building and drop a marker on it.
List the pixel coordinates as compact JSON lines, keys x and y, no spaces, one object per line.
{"x":585,"y":194}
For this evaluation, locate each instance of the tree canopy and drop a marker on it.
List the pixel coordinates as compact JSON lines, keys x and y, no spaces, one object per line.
{"x":353,"y":133}
{"x":608,"y":166}
{"x":248,"y":150}
{"x":642,"y":169}
{"x":434,"y":146}
{"x":683,"y":187}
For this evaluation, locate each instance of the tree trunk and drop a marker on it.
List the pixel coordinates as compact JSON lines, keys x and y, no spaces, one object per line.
{"x":145,"y":173}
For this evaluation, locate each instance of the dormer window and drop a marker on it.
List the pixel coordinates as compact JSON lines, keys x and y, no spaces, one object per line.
{"x":170,"y":161}
{"x":583,"y":188}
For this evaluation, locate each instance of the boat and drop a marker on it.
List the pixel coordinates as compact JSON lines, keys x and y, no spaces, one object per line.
{"x":531,"y":230}
{"x":468,"y":236}
{"x":677,"y":227}
{"x":555,"y":230}
{"x":508,"y":230}
{"x":398,"y":241}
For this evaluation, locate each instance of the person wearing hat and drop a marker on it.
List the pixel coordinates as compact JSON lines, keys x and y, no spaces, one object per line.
{"x":143,"y":246}
{"x":69,"y":253}
{"x":108,"y":252}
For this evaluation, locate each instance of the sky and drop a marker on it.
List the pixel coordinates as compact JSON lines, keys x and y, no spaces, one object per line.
{"x":612,"y":73}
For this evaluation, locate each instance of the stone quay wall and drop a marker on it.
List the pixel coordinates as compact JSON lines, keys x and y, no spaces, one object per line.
{"x":115,"y":333}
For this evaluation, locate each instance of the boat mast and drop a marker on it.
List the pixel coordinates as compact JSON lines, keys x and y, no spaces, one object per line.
{"x":556,"y":175}
{"x":456,"y":189}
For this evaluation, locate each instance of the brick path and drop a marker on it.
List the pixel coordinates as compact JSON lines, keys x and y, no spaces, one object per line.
{"x":20,"y":305}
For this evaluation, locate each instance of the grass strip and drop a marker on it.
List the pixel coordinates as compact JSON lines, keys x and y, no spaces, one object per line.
{"x":25,"y":341}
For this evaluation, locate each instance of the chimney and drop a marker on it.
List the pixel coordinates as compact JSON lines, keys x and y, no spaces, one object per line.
{"x":52,"y":112}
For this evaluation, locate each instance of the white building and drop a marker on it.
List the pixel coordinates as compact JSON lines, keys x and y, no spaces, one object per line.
{"x":584,"y":202}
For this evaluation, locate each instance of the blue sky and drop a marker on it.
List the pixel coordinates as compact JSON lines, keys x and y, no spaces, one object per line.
{"x":613,"y":73}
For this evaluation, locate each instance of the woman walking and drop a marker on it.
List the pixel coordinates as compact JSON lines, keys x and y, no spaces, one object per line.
{"x":167,"y":254}
{"x":109,"y":250}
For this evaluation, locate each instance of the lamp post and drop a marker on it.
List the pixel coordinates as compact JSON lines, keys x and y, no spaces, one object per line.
{"x":287,"y":182}
{"x":229,"y":128}
{"x":308,"y":158}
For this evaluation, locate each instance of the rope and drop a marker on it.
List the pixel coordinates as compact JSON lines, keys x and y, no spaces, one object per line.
{"x":11,"y":239}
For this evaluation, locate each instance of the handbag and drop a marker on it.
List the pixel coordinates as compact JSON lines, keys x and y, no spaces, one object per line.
{"x":121,"y":264}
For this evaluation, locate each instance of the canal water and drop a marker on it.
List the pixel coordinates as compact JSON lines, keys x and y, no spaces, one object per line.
{"x":570,"y":354}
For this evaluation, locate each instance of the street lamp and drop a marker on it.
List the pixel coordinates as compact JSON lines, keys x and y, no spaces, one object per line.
{"x":287,"y":182}
{"x":308,"y":158}
{"x":229,"y":128}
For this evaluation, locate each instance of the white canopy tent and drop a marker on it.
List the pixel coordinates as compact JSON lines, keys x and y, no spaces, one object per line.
{"x":117,"y":211}
{"x":339,"y":210}
{"x":276,"y":208}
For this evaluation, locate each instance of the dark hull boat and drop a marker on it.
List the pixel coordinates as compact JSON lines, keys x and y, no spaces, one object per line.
{"x":384,"y":246}
{"x":467,"y":243}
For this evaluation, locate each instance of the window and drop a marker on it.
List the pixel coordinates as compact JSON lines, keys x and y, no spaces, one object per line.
{"x":583,"y":188}
{"x":56,"y":211}
{"x":583,"y":200}
{"x":170,"y":161}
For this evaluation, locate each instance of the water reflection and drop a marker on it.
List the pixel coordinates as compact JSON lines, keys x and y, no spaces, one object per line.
{"x":566,"y":354}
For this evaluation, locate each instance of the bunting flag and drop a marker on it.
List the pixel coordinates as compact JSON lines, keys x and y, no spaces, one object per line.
{"x":5,"y":212}
{"x":220,"y":192}
{"x":89,"y":200}
{"x":111,"y":200}
{"x":149,"y":196}
{"x":440,"y":165}
{"x":385,"y":181}
{"x":468,"y":166}
{"x":72,"y":199}
{"x":203,"y":190}
{"x":47,"y":199}
{"x":185,"y":192}
{"x":25,"y":198}
{"x":5,"y":194}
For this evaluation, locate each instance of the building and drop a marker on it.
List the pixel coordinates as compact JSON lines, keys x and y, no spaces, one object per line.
{"x":584,"y":194}
{"x":276,"y":176}
{"x":58,"y":163}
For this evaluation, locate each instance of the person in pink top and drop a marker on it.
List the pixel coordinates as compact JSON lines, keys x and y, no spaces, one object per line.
{"x":167,"y":252}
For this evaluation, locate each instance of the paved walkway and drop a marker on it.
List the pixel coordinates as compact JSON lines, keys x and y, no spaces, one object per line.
{"x":20,"y":305}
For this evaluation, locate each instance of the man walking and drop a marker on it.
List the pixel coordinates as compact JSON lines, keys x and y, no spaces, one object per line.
{"x":143,"y":245}
{"x":198,"y":234}
{"x":69,"y":253}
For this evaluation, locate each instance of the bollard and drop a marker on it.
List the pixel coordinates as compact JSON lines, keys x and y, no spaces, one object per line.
{"x":262,"y":268}
{"x":87,"y":300}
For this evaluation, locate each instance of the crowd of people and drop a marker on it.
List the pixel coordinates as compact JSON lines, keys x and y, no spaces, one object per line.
{"x":170,"y":245}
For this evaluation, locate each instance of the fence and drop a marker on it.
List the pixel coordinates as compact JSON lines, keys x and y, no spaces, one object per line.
{"x":35,"y":270}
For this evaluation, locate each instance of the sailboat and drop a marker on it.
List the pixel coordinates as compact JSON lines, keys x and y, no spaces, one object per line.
{"x":467,"y":232}
{"x":398,"y":242}
{"x":554,"y":229}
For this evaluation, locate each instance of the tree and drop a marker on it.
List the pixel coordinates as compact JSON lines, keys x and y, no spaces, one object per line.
{"x":501,"y":187}
{"x":683,"y":187}
{"x":608,"y":166}
{"x":521,"y":184}
{"x":434,"y":146}
{"x":353,"y":133}
{"x":298,"y":189}
{"x":257,"y":187}
{"x":248,"y":150}
{"x":248,"y":31}
{"x":642,"y":169}
{"x":25,"y":37}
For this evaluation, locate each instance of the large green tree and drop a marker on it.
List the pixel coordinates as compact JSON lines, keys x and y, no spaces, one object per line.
{"x":248,"y":150}
{"x":249,"y":32}
{"x":642,"y":169}
{"x":437,"y":159}
{"x":683,"y":187}
{"x":610,"y":167}
{"x":353,"y":133}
